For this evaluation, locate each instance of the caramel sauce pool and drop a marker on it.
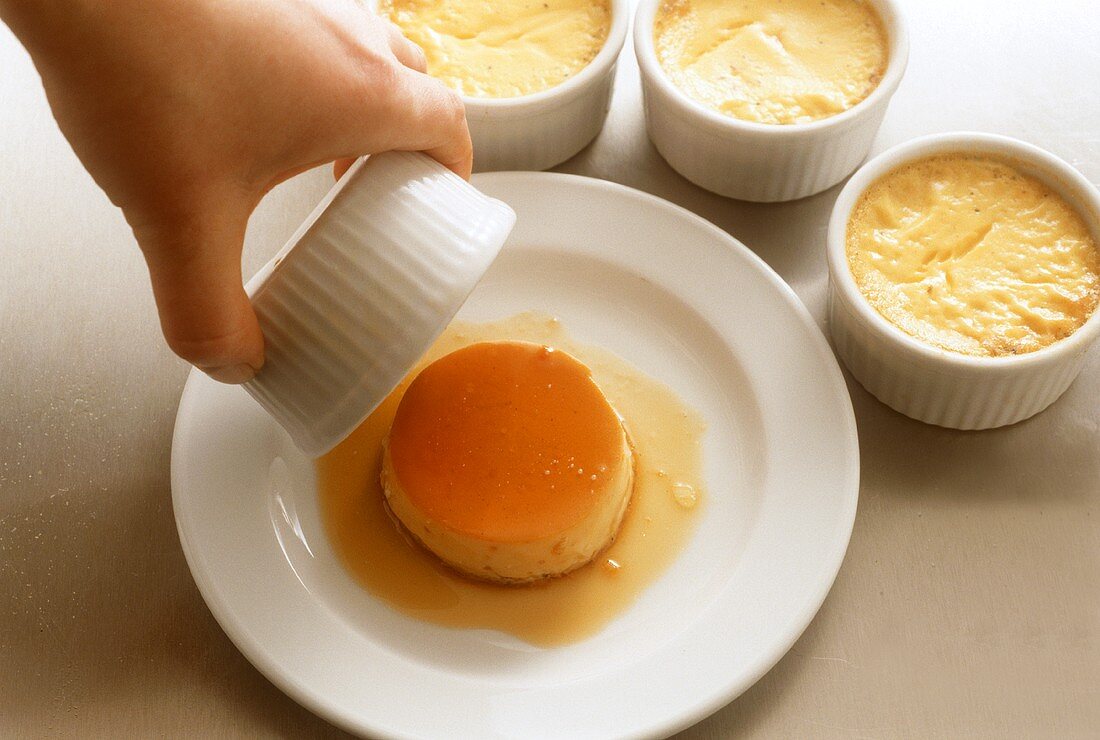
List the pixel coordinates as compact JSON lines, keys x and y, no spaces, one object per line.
{"x":668,"y":491}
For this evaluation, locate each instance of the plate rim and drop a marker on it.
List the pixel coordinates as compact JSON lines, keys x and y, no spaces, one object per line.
{"x":686,"y":715}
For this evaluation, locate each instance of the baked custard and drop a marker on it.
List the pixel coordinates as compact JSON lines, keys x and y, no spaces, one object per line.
{"x":506,"y":460}
{"x":667,"y":498}
{"x":503,"y":48}
{"x":971,"y":255}
{"x":772,"y":61}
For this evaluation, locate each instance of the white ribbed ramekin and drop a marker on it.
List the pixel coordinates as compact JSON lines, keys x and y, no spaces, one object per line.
{"x":760,"y":161}
{"x":364,"y":287}
{"x":540,"y":130}
{"x":927,"y":383}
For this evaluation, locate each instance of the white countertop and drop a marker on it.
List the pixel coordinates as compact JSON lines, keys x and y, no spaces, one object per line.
{"x":969,"y":602}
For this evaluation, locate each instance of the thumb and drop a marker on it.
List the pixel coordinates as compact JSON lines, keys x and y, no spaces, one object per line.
{"x":205,"y":314}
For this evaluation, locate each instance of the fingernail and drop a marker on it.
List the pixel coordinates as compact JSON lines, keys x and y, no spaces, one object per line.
{"x":232,"y":374}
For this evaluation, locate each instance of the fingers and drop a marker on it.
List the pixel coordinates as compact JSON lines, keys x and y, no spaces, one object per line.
{"x":422,"y":115}
{"x":408,"y":53}
{"x":400,"y":107}
{"x":340,"y":166}
{"x":439,"y":106}
{"x":433,"y":122}
{"x":205,"y":314}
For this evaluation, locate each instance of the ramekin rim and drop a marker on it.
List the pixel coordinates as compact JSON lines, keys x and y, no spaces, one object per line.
{"x":601,"y":64}
{"x":897,"y":36}
{"x":1053,"y":170}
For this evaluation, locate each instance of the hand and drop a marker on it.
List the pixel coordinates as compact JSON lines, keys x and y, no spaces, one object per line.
{"x":186,"y":112}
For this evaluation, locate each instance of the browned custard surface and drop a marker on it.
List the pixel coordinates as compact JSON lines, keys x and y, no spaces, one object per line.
{"x":667,"y":493}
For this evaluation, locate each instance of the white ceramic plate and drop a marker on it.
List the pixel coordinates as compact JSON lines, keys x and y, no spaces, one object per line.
{"x":679,"y":299}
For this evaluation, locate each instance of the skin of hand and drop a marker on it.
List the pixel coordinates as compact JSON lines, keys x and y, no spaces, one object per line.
{"x":186,"y":112}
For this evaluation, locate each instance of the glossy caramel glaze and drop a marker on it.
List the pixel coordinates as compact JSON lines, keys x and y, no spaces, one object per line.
{"x":505,"y":441}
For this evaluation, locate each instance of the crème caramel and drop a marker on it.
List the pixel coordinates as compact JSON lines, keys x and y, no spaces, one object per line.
{"x":508,"y":463}
{"x":972,"y":255}
{"x":503,"y":48}
{"x":772,"y":61}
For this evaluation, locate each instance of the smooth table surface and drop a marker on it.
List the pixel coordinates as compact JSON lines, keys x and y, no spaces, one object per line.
{"x":969,"y":602}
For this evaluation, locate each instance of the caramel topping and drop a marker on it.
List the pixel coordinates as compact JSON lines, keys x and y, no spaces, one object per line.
{"x":505,"y":441}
